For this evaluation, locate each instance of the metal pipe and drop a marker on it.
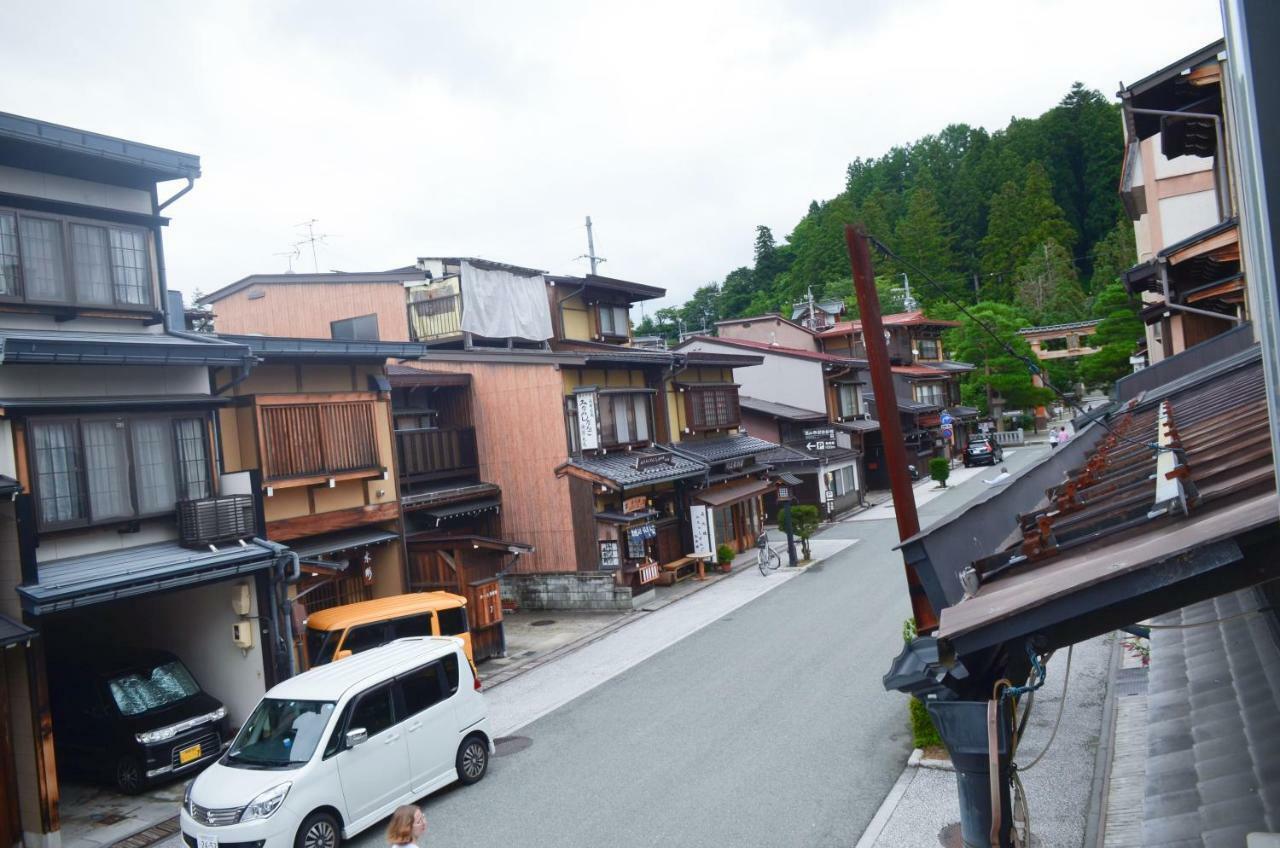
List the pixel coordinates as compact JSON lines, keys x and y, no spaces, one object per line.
{"x":895,"y":451}
{"x":1164,"y":283}
{"x":1223,"y":189}
{"x":191,"y":183}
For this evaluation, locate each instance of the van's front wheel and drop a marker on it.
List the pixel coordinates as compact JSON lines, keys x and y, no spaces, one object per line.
{"x":473,"y":760}
{"x":319,"y":830}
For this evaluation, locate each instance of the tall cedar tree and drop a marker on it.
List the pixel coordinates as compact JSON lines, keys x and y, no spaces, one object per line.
{"x":1047,"y":288}
{"x":1112,"y":256}
{"x":1022,"y":217}
{"x":923,"y":238}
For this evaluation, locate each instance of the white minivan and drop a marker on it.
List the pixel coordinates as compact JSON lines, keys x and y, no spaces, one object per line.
{"x":336,"y":749}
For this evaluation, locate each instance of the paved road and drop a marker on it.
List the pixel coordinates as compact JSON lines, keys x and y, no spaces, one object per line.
{"x":767,"y":728}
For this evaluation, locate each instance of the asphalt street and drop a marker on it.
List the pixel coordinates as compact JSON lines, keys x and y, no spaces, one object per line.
{"x":769,"y":727}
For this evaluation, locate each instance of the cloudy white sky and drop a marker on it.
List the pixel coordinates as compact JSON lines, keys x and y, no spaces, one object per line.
{"x":490,"y":129}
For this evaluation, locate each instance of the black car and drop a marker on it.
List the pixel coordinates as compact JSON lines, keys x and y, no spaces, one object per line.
{"x":134,"y":718}
{"x":982,"y":450}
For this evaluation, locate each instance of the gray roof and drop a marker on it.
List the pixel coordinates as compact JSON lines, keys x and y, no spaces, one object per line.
{"x":725,"y":448}
{"x":953,"y":365}
{"x":831,"y":306}
{"x":275,"y":347}
{"x":1213,"y":732}
{"x":1073,"y":325}
{"x":907,"y":405}
{"x":398,"y":277}
{"x":861,"y":425}
{"x":112,"y":402}
{"x":783,"y":455}
{"x":473,"y":507}
{"x":13,"y":632}
{"x":638,"y":291}
{"x":81,"y":348}
{"x":779,"y":410}
{"x":138,"y":163}
{"x":345,"y":540}
{"x":129,"y":572}
{"x":620,"y":467}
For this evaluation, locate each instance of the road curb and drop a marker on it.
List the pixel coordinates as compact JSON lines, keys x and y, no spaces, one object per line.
{"x":887,"y":808}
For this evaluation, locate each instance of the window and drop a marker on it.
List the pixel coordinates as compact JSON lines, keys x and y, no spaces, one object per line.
{"x":453,"y":621}
{"x":414,"y":625}
{"x":363,"y":327}
{"x":929,"y":349}
{"x":450,"y":666}
{"x":624,"y":418}
{"x":101,"y":469}
{"x":315,"y":439}
{"x":843,"y":481}
{"x":421,"y":689}
{"x":850,"y":403}
{"x":365,"y":637}
{"x":373,"y":712}
{"x":932,"y":393}
{"x":50,"y":259}
{"x":613,"y":320}
{"x":281,"y":733}
{"x":712,"y":408}
{"x":143,"y":691}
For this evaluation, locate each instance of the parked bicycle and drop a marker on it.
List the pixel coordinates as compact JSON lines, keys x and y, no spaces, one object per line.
{"x":766,"y":557}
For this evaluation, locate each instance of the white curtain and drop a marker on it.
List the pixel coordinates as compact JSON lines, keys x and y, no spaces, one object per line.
{"x":92,"y":263}
{"x":57,"y":472}
{"x":500,"y":304}
{"x":106,"y":465}
{"x":153,"y":465}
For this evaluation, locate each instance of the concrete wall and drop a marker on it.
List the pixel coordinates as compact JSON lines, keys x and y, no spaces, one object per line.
{"x":71,"y":190}
{"x":594,"y":590}
{"x":770,"y":329}
{"x":780,"y":378}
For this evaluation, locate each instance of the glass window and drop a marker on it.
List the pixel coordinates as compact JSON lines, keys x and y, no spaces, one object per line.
{"x":849,"y":406}
{"x":8,"y":253}
{"x":414,"y":625}
{"x":193,"y":461}
{"x":928,"y":348}
{"x":143,"y":691}
{"x":43,"y":272}
{"x":613,"y":320}
{"x":365,"y":637}
{"x":320,"y":646}
{"x":130,"y":267}
{"x":422,"y":689}
{"x":364,"y":327}
{"x":622,"y":418}
{"x":640,"y":404}
{"x":450,"y":666}
{"x":453,"y":621}
{"x":153,"y":465}
{"x":91,"y":263}
{"x":280,"y":733}
{"x":57,"y":461}
{"x":106,"y":464}
{"x":373,"y":712}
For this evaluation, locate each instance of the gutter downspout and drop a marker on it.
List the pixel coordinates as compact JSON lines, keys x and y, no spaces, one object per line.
{"x":284,"y":604}
{"x":191,"y":183}
{"x":1164,"y":283}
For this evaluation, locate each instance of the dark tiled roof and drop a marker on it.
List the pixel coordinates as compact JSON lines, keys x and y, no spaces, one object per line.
{"x":620,"y":467}
{"x":1213,"y":734}
{"x":783,"y":456}
{"x":907,"y":405}
{"x":725,"y":448}
{"x":636,"y":291}
{"x":362,"y":537}
{"x":780,"y":410}
{"x":1052,"y":328}
{"x":276,"y":347}
{"x":42,"y":347}
{"x":152,"y":163}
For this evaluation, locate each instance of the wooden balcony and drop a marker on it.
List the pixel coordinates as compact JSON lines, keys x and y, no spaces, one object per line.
{"x":434,"y":319}
{"x":436,"y":453}
{"x":317,"y":440}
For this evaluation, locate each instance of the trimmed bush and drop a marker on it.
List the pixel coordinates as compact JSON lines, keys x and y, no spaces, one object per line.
{"x":940,"y":470}
{"x":724,"y":554}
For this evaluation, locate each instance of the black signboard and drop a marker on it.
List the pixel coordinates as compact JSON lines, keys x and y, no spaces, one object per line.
{"x":610,"y":555}
{"x":820,"y":438}
{"x":647,"y":461}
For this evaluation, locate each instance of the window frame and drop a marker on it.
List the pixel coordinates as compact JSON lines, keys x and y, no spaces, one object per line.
{"x":82,"y":475}
{"x":351,"y":321}
{"x":853,"y":390}
{"x":67,"y":257}
{"x":936,"y":355}
{"x":613,"y":308}
{"x":936,"y":387}
{"x":608,"y":435}
{"x":358,"y":701}
{"x":694,"y":399}
{"x":402,"y":707}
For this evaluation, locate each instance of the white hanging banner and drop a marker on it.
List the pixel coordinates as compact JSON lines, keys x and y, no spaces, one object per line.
{"x":704,"y":541}
{"x":588,"y":431}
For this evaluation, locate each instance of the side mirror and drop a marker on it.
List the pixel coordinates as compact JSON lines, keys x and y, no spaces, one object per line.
{"x":341,"y":655}
{"x":356,"y":736}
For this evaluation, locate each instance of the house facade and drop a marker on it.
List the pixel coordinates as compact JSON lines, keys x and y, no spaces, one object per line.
{"x":121,"y":531}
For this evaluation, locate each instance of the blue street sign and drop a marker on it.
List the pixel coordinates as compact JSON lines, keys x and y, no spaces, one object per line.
{"x":947,"y":432}
{"x":947,"y":419}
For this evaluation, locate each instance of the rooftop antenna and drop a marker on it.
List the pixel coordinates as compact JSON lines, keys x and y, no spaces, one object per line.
{"x":291,"y":255}
{"x":591,"y":250}
{"x":312,"y":238}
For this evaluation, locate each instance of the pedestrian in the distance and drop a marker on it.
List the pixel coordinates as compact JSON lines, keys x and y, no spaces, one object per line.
{"x":1053,"y":438}
{"x":1063,"y":436}
{"x":408,"y":825}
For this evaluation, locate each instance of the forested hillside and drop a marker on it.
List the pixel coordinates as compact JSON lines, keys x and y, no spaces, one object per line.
{"x":1033,"y":204}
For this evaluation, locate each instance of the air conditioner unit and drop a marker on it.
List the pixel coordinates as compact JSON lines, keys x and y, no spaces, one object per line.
{"x":210,"y":521}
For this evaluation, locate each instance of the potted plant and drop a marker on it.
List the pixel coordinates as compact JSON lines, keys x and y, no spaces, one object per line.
{"x":940,"y":470}
{"x":724,"y":557}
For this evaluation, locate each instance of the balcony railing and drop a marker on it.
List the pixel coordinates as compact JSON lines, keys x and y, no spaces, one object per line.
{"x":428,"y":453}
{"x":318,"y":439}
{"x":435,"y":318}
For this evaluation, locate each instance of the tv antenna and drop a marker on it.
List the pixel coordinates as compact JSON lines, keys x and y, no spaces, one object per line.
{"x":291,"y":255}
{"x":591,"y":250}
{"x":313,"y":238}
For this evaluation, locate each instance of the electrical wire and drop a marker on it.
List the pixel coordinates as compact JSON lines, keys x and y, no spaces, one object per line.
{"x":1032,"y":367}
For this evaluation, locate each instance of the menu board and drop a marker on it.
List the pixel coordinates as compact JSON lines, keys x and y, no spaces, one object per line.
{"x":588,"y":433}
{"x":700,"y":525}
{"x":610,"y":555}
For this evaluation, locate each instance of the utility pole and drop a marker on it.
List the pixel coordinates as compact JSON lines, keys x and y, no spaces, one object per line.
{"x":590,"y":255}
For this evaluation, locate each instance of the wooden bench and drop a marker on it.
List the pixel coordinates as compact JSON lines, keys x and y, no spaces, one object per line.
{"x":680,"y":569}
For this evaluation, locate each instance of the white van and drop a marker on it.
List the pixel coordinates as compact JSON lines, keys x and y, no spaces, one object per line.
{"x":336,"y":749}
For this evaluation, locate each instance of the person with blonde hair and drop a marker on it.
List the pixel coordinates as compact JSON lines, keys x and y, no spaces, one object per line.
{"x":407,"y":826}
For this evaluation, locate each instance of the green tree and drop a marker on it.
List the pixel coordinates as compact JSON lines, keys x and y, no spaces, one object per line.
{"x":702,"y":311}
{"x":1046,"y":287}
{"x":1113,"y":255}
{"x":804,"y":523}
{"x":1023,"y":216}
{"x":736,"y":292}
{"x":924,"y":238}
{"x":1001,"y":377}
{"x":1116,"y":337}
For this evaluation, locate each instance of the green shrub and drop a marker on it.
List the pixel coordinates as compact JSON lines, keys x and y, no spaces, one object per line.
{"x":923,"y":733}
{"x":804,"y":523}
{"x":724,"y":553}
{"x":940,"y":470}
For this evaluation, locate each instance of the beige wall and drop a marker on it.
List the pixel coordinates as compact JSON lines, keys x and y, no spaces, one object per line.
{"x":769,"y":329}
{"x":304,"y":310}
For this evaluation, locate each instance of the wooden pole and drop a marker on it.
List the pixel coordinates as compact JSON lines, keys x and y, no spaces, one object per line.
{"x":895,"y":451}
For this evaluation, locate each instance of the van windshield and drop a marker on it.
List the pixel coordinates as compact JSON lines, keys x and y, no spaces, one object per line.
{"x":142,"y":691}
{"x":280,"y":734}
{"x":320,"y":645}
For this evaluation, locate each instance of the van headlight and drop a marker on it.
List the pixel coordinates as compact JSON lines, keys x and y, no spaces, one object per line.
{"x":265,"y":804}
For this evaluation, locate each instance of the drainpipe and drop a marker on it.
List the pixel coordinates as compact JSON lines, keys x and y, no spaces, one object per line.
{"x":1223,"y":188}
{"x":288,"y":569}
{"x":1164,"y":283}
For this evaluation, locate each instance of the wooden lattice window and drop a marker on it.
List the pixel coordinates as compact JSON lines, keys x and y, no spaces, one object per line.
{"x":318,"y":438}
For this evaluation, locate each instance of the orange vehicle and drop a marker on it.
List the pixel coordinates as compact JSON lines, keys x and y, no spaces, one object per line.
{"x":338,"y":632}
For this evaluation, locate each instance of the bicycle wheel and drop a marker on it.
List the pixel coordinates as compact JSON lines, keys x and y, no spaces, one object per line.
{"x":775,"y":559}
{"x":762,"y":560}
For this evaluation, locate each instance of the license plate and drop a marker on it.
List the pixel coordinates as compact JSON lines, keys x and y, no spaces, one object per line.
{"x":190,"y":755}
{"x":206,"y":842}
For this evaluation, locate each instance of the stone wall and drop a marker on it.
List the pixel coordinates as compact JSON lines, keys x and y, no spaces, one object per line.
{"x":585,"y":590}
